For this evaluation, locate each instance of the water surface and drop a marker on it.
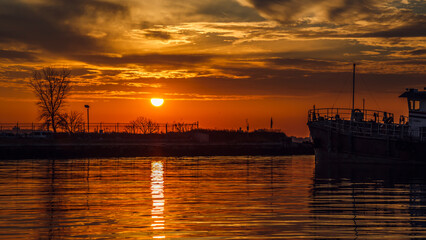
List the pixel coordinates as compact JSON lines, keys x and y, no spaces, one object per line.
{"x":209,"y":198}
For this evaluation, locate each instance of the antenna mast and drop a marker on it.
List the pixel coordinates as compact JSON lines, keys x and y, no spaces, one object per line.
{"x":353,"y":89}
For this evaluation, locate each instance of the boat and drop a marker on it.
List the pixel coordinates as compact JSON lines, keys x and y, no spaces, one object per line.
{"x":370,"y":136}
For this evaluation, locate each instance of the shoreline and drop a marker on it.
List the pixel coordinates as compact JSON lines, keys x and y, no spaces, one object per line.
{"x":193,"y":143}
{"x":141,"y":149}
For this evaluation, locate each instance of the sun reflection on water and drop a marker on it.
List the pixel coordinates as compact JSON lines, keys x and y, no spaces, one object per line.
{"x":158,"y":202}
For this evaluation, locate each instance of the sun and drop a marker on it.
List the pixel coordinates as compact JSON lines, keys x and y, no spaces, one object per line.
{"x":157,"y":101}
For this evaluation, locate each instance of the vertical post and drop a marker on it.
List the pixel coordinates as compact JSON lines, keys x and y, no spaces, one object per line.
{"x":363,"y":109}
{"x":248,"y":127}
{"x":87,"y":107}
{"x":386,"y":128}
{"x":88,"y":125}
{"x":353,"y":88}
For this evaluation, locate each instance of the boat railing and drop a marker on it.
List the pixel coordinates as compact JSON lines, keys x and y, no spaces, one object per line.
{"x":364,"y":123}
{"x":364,"y":115}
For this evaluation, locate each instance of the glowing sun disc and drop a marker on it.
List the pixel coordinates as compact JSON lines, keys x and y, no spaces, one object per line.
{"x":157,"y":101}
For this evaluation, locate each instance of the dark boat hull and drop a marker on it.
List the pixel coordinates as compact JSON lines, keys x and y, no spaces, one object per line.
{"x":346,"y":147}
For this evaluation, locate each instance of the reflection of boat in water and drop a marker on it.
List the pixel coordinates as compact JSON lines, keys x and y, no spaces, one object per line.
{"x":369,"y":200}
{"x":367,"y":135}
{"x":387,"y":175}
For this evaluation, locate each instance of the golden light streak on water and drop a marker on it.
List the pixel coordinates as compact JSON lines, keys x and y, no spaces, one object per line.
{"x":158,"y":202}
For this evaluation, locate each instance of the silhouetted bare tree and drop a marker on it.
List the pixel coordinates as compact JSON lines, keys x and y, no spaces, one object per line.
{"x":142,"y":125}
{"x":182,"y":127}
{"x":131,"y":127}
{"x":51,"y":88}
{"x":71,"y":122}
{"x":179,"y":127}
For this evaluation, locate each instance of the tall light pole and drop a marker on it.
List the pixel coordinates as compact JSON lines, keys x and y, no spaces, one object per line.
{"x":87,"y":107}
{"x":353,"y":88}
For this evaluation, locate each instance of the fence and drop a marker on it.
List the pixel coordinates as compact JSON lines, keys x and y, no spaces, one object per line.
{"x":101,"y":127}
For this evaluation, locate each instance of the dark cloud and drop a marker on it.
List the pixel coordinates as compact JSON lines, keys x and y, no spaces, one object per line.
{"x":15,"y":75}
{"x":378,"y":18}
{"x":52,"y":26}
{"x":172,"y":12}
{"x":417,"y":62}
{"x":162,"y":60}
{"x":225,"y":10}
{"x":110,"y":72}
{"x":290,"y":11}
{"x":280,"y":82}
{"x":418,"y":52}
{"x":307,"y":63}
{"x":110,"y":88}
{"x":145,"y":25}
{"x":158,"y":35}
{"x":417,"y":29}
{"x":353,"y":9}
{"x":82,"y":71}
{"x":17,"y":55}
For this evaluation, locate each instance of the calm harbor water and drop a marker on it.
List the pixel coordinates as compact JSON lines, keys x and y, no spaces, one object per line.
{"x":209,"y":198}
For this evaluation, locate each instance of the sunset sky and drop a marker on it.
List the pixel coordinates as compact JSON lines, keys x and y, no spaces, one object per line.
{"x":218,"y":62}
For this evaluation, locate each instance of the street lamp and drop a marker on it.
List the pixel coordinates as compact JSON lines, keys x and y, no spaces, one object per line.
{"x":87,"y":106}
